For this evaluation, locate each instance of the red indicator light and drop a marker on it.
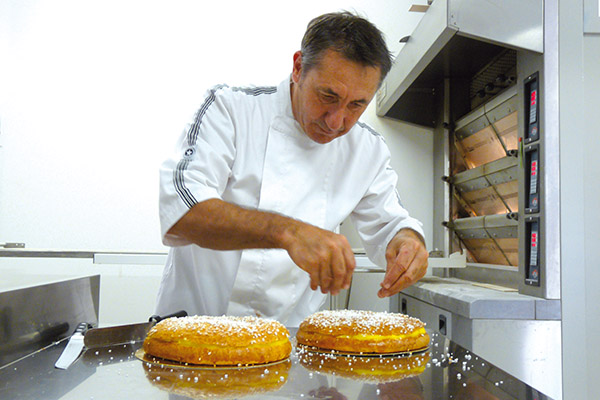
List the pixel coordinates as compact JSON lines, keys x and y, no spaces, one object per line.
{"x":533,"y":97}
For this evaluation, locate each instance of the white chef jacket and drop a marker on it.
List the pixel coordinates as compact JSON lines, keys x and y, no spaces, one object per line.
{"x":245,"y":147}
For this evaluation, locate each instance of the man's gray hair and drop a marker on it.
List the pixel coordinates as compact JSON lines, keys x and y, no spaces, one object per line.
{"x":352,"y":36}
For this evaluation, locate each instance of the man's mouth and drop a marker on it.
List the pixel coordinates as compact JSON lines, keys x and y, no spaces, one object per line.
{"x":327,"y":132}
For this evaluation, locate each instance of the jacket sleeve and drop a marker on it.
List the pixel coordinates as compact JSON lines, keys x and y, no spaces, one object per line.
{"x":201,"y":165}
{"x":380,"y":214}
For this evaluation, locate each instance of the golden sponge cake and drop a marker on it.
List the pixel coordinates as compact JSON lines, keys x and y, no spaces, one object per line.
{"x":225,"y":340}
{"x":357,"y":331}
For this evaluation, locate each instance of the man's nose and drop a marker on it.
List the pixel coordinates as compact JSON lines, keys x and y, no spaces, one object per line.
{"x":335,"y":119}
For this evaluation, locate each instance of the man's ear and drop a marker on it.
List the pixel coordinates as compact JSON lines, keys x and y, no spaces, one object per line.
{"x":297,"y":67}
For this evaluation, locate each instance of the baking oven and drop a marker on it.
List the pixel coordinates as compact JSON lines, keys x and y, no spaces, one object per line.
{"x":482,"y":77}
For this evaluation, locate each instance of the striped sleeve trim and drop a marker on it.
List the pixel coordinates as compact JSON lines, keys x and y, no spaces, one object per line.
{"x":370,"y":130}
{"x":178,"y":178}
{"x":192,"y":135}
{"x":184,"y":193}
{"x":256,"y":91}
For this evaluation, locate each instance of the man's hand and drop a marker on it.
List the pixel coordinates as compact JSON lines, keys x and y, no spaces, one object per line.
{"x":406,"y":257}
{"x":326,"y":256}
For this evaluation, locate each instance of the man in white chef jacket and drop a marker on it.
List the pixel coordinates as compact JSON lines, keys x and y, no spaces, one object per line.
{"x":262,"y":177}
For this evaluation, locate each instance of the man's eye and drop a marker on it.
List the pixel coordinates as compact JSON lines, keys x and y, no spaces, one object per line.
{"x":326,"y":98}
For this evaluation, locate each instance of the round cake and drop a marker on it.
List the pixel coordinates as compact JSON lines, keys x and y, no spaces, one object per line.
{"x":356,"y":331}
{"x":224,"y":340}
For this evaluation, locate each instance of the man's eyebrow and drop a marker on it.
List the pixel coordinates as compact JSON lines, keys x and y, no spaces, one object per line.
{"x":331,"y":92}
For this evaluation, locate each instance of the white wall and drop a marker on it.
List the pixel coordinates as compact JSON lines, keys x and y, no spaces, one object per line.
{"x":93,"y":95}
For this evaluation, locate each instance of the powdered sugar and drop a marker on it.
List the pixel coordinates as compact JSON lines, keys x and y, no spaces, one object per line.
{"x":225,"y":326}
{"x":363,"y":321}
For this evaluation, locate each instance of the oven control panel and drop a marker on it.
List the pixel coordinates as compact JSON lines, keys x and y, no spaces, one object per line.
{"x":532,"y":183}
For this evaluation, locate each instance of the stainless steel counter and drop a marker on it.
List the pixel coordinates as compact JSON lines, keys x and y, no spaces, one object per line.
{"x":450,"y":372}
{"x":511,"y":330}
{"x":476,"y":301}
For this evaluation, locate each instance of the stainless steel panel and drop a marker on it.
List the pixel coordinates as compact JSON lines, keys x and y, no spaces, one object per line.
{"x":552,"y":201}
{"x":430,"y":36}
{"x":441,"y":168}
{"x":536,"y":360}
{"x":495,"y":340}
{"x":549,"y":177}
{"x":472,"y":301}
{"x":432,"y":316}
{"x":32,"y":317}
{"x":521,"y":25}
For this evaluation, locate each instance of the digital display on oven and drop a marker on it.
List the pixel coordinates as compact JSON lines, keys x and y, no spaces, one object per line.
{"x":533,"y":105}
{"x":532,"y":180}
{"x":532,"y":269}
{"x":532,"y":108}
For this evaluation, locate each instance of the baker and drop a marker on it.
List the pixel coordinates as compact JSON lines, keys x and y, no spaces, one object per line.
{"x":263,"y":177}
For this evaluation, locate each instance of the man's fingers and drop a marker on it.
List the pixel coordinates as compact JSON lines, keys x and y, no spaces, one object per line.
{"x":325,"y":276}
{"x":397,"y":267}
{"x":401,"y":283}
{"x":326,"y":256}
{"x":416,"y":270}
{"x":408,"y":278}
{"x":342,"y":266}
{"x":314,"y":280}
{"x":350,"y":266}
